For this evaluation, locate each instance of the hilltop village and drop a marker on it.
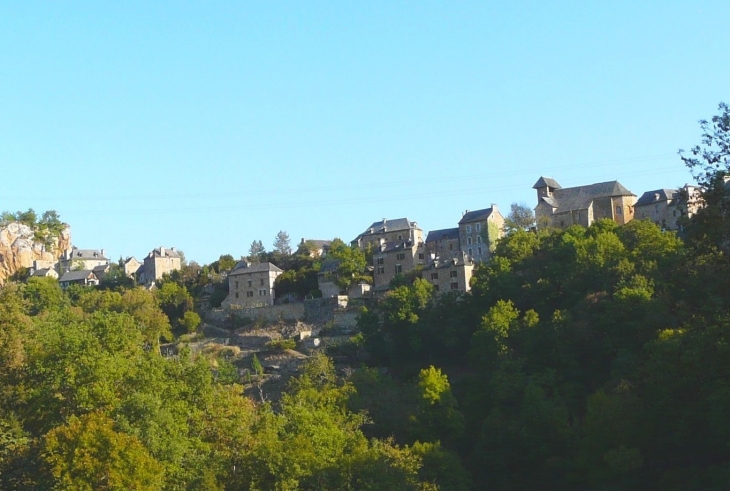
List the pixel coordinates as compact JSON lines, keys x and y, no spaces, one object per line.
{"x":395,"y":248}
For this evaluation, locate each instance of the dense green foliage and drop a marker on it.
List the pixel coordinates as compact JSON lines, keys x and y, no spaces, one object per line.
{"x":87,"y":403}
{"x":583,"y":359}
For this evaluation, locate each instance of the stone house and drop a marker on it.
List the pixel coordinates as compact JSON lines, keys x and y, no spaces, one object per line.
{"x":393,"y":258}
{"x":666,"y":207}
{"x":82,"y":259}
{"x":78,"y":277}
{"x":44,"y":273}
{"x":582,"y":205}
{"x":131,"y":267}
{"x":327,"y":278}
{"x":479,"y":231}
{"x":450,"y":275}
{"x":397,"y":230}
{"x":314,"y":248}
{"x":158,"y":262}
{"x":444,"y":243}
{"x":252,"y":285}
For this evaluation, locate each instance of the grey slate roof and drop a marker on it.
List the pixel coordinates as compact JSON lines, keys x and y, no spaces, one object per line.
{"x":656,"y":196}
{"x":475,"y":216}
{"x":546,"y":182}
{"x":459,"y":260}
{"x":76,"y":275}
{"x":398,"y":245}
{"x":168,"y":252}
{"x":329,"y":266}
{"x":242,"y":267}
{"x":443,"y":234}
{"x":389,"y":226}
{"x":77,"y":253}
{"x":41,"y":272}
{"x":580,"y":197}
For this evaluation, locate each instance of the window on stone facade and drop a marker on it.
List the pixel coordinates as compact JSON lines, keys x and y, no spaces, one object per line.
{"x":674,"y":213}
{"x":451,"y":247}
{"x":618,"y":210}
{"x":236,"y":294}
{"x":380,"y":260}
{"x":479,"y":239}
{"x":261,"y":282}
{"x":250,"y":283}
{"x":468,"y":240}
{"x":420,"y":255}
{"x":249,"y":294}
{"x":262,"y":293}
{"x":479,"y":251}
{"x":381,"y":269}
{"x":434,"y":276}
{"x":398,"y":269}
{"x":400,"y":237}
{"x":656,"y":208}
{"x":454,"y":286}
{"x":470,"y":253}
{"x":236,"y":287}
{"x":452,"y":274}
{"x":479,"y":227}
{"x":400,"y":257}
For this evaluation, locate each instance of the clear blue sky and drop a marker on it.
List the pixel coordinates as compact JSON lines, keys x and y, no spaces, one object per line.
{"x":206,"y":125}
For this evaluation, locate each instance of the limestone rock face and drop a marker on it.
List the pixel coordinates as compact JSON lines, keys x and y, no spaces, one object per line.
{"x":19,"y":249}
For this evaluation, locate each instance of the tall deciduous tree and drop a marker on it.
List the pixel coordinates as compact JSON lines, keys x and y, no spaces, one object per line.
{"x":709,"y":163}
{"x":521,"y":217}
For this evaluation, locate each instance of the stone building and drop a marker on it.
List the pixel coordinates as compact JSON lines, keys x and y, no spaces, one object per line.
{"x":78,"y":277}
{"x":131,"y":267}
{"x":479,"y":231}
{"x":582,"y":205}
{"x":327,"y":278}
{"x":314,"y":248}
{"x":450,"y":275}
{"x":442,"y":243}
{"x":158,"y":262}
{"x":252,"y":285}
{"x":390,"y":231}
{"x":666,"y":207}
{"x":82,"y":259}
{"x":393,"y":258}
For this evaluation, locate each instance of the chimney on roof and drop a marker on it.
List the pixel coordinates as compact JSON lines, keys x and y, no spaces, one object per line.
{"x":173,"y":249}
{"x":162,"y":251}
{"x":494,"y":207}
{"x":103,"y":253}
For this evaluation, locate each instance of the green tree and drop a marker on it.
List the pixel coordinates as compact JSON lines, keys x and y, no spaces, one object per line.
{"x":351,"y":263}
{"x":256,"y":251}
{"x":88,"y":454}
{"x":521,"y":217}
{"x":282,"y":244}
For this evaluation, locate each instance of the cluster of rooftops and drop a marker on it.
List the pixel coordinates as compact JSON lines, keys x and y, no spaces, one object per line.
{"x":446,"y":257}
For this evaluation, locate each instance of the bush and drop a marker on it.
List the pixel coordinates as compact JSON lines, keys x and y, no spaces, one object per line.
{"x":281,"y":344}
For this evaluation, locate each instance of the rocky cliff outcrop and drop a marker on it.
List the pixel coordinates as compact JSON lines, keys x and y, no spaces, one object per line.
{"x":19,"y":249}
